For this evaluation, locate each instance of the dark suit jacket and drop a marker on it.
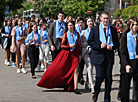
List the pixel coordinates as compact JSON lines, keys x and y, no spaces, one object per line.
{"x":97,"y":54}
{"x":52,"y":40}
{"x":125,"y":56}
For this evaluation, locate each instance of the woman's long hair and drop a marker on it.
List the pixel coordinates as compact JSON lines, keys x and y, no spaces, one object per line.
{"x":31,"y":24}
{"x":130,"y":23}
{"x":66,"y":25}
{"x":8,"y":19}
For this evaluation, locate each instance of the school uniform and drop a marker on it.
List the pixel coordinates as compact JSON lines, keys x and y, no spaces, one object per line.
{"x":44,"y":47}
{"x":6,"y":41}
{"x":129,"y":49}
{"x":55,"y":32}
{"x":33,"y":51}
{"x":85,"y":54}
{"x":19,"y":32}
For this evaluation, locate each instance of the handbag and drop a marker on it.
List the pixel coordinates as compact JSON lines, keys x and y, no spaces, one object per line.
{"x":89,"y":50}
{"x":13,"y":50}
{"x":4,"y":41}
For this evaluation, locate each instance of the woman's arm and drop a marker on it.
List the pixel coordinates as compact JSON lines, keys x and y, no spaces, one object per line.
{"x":123,"y":52}
{"x":13,"y":36}
{"x":64,"y":44}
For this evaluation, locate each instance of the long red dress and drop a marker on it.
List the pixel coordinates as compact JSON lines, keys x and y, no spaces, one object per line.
{"x":61,"y":70}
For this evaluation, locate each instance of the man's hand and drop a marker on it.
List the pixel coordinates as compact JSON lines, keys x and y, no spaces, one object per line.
{"x":109,"y":47}
{"x":103,"y":45}
{"x":128,"y":68}
{"x":52,"y":48}
{"x":136,"y":57}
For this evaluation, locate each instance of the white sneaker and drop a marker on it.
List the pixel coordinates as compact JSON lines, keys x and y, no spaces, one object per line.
{"x":8,"y":63}
{"x":23,"y":70}
{"x":44,"y":70}
{"x":39,"y":67}
{"x":5,"y":61}
{"x":92,"y":90}
{"x":42,"y":66}
{"x":18,"y":71}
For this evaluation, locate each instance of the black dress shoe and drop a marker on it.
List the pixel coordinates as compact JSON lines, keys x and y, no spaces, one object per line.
{"x":66,"y":88}
{"x":76,"y":91}
{"x":82,"y":81}
{"x":34,"y":77}
{"x":94,"y":98}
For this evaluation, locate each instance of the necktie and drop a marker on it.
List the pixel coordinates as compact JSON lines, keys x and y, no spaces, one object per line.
{"x":105,"y":32}
{"x":80,"y":30}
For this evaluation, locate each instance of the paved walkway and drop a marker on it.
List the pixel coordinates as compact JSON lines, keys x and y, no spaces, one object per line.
{"x":22,"y":88}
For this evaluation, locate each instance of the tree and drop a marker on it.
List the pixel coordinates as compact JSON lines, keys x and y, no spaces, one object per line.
{"x":13,"y":5}
{"x":130,"y":12}
{"x":26,"y":5}
{"x":70,"y":7}
{"x":127,"y":12}
{"x":48,"y":7}
{"x":135,"y":2}
{"x":80,"y":7}
{"x":118,"y":13}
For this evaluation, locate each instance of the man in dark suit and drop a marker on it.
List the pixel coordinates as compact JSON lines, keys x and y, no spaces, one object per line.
{"x":102,"y":55}
{"x":54,"y":40}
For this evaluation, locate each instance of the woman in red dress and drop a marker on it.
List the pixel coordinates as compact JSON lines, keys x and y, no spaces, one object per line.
{"x":63,"y":71}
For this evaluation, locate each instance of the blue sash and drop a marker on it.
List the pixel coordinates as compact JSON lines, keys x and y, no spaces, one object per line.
{"x":87,"y":33}
{"x":60,"y":29}
{"x":102,"y":35}
{"x":17,"y":32}
{"x":7,"y":29}
{"x":131,"y":45}
{"x":26,"y":26}
{"x":44,"y":37}
{"x":78,"y":30}
{"x":71,"y":40}
{"x":30,"y":37}
{"x":38,"y":27}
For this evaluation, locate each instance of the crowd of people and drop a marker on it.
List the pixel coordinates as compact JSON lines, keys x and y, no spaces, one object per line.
{"x":74,"y":43}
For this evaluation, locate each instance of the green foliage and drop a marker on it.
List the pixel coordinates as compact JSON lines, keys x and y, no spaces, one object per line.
{"x":118,"y":13}
{"x":135,"y":2}
{"x":26,"y":5}
{"x":130,"y":12}
{"x":70,"y":7}
{"x":13,"y":5}
{"x":127,"y":12}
